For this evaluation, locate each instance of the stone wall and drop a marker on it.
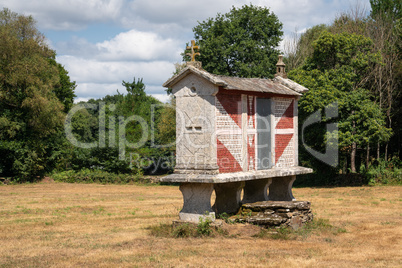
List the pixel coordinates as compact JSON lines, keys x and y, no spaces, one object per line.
{"x":276,"y":213}
{"x":195,"y":125}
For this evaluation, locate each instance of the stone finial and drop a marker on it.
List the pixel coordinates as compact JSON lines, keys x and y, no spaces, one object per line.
{"x":280,"y":68}
{"x":192,"y":55}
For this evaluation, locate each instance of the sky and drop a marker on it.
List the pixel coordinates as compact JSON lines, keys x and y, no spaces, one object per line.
{"x":103,"y":42}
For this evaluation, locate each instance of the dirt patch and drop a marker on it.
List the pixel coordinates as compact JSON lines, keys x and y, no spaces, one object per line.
{"x":47,"y":180}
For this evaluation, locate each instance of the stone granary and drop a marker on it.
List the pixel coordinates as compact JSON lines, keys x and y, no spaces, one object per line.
{"x":234,"y":134}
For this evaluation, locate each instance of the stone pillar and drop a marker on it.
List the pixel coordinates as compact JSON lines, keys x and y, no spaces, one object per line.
{"x":281,"y":189}
{"x":256,"y":190}
{"x":228,"y":197}
{"x":196,"y":201}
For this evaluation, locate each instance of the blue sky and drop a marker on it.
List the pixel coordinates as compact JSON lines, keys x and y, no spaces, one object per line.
{"x":102,"y":42}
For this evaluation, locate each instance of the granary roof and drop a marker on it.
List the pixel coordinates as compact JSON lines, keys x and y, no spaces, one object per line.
{"x":278,"y":85}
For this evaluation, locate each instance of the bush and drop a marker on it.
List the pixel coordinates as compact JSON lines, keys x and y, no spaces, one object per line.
{"x":385,"y":172}
{"x":204,"y":227}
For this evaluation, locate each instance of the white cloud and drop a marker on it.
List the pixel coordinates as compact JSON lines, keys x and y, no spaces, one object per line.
{"x":67,"y":15}
{"x":92,"y":70}
{"x":96,"y":79}
{"x":161,"y":97}
{"x":136,"y":45}
{"x":157,"y":31}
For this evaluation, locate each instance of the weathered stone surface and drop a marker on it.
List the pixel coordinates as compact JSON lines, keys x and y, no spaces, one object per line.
{"x":268,"y":211}
{"x":272,"y":219}
{"x":273,"y":213}
{"x":295,"y":223}
{"x":197,"y":201}
{"x":228,"y":197}
{"x":281,"y":189}
{"x":283,"y":210}
{"x":195,"y":218}
{"x":198,"y":177}
{"x":275,"y":205}
{"x":256,"y":190}
{"x":285,"y":215}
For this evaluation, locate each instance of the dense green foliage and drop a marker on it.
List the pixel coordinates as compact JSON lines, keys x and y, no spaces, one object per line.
{"x":102,"y":138}
{"x":384,"y":172}
{"x":34,"y":92}
{"x":240,"y":43}
{"x":335,"y":73}
{"x":355,"y":61}
{"x":124,"y":134}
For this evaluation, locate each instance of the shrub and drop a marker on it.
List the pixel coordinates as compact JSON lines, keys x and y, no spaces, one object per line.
{"x":96,"y":176}
{"x":385,"y":172}
{"x":204,"y":226}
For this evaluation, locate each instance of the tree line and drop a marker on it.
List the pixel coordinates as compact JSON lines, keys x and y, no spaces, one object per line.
{"x":36,"y":96}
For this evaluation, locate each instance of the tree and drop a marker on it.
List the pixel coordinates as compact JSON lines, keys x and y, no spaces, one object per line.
{"x":336,"y":72}
{"x":64,"y":90}
{"x":298,"y":48}
{"x":31,"y":115}
{"x":240,"y":43}
{"x":385,"y":76}
{"x":383,"y":29}
{"x":390,"y":9}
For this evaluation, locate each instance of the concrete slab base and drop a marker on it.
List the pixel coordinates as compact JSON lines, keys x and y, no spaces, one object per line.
{"x":195,"y":218}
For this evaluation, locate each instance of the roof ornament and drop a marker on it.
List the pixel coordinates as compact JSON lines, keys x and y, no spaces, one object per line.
{"x":280,"y":68}
{"x":192,"y":55}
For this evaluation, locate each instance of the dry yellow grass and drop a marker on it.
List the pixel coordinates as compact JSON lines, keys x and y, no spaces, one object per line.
{"x":75,"y":225}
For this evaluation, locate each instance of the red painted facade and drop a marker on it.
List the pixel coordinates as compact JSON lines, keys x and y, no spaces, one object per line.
{"x":229,"y":130}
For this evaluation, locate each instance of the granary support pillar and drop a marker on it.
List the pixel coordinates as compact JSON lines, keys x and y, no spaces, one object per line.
{"x":196,"y":201}
{"x":281,"y":189}
{"x":228,"y":197}
{"x":256,"y":190}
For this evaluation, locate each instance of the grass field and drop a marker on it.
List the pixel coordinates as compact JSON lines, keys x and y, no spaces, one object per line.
{"x":90,"y":225}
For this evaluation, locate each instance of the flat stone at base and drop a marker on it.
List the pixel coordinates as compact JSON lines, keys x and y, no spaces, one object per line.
{"x":292,"y":214}
{"x":272,"y":219}
{"x":192,"y":217}
{"x":278,"y":205}
{"x":295,"y":223}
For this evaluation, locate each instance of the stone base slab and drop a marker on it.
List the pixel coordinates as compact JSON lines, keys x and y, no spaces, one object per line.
{"x":195,"y":218}
{"x":291,"y":214}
